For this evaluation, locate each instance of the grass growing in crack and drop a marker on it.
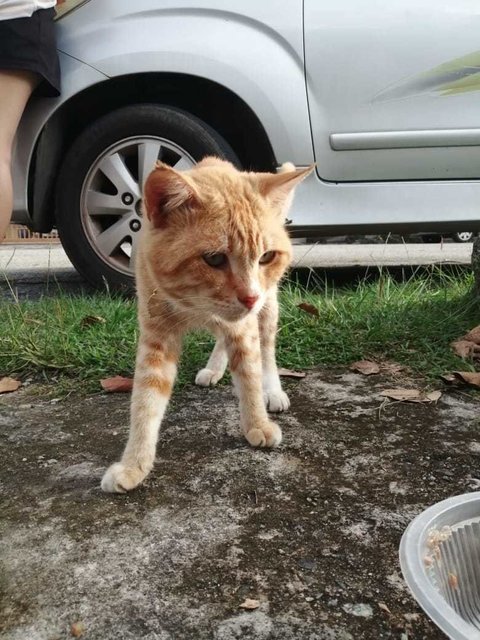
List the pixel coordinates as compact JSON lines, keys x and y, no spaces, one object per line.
{"x":410,"y":322}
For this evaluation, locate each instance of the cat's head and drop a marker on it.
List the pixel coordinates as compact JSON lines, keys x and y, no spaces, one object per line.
{"x":215,"y":241}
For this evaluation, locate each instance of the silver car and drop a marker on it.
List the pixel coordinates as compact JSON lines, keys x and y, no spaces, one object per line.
{"x":383,"y":96}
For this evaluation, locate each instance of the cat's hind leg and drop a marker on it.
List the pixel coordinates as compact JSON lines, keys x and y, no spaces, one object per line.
{"x":216,"y":365}
{"x":243,"y":347}
{"x":276,"y":400}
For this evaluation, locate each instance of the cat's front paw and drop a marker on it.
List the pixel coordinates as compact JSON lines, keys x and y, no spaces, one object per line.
{"x":119,"y":478}
{"x":267,"y":435}
{"x":208,"y":377}
{"x":276,"y":401}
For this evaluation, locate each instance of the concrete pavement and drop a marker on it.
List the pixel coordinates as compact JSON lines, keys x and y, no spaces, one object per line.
{"x":309,"y":530}
{"x":41,"y":263}
{"x":333,"y":256}
{"x":36,"y":263}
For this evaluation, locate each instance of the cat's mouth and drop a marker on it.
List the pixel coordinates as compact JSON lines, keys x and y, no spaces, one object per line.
{"x":237,"y":313}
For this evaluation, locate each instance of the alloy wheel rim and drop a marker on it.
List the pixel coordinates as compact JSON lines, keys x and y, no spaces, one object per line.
{"x":465,"y":236}
{"x":111,"y":195}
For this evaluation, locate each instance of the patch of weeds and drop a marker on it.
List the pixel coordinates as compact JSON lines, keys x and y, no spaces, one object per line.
{"x":410,"y":322}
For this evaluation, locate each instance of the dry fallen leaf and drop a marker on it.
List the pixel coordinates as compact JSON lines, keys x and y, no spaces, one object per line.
{"x":249,"y":604}
{"x":77,"y":629}
{"x":392,"y":367}
{"x":288,"y":373}
{"x":468,"y":346}
{"x":411,"y":395}
{"x":117,"y":384}
{"x":469,"y":377}
{"x":402,"y":394}
{"x":87,"y":321}
{"x":367,"y":367}
{"x":9,"y":384}
{"x":465,"y":348}
{"x":308,"y":308}
{"x":473,"y":335}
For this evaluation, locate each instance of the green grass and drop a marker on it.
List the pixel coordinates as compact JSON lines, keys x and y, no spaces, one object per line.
{"x":410,"y":322}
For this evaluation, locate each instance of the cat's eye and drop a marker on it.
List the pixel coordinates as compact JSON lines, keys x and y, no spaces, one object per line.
{"x":267,"y":257}
{"x":215,"y":260}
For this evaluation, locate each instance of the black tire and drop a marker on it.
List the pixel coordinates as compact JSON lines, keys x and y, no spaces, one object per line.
{"x":181,"y":129}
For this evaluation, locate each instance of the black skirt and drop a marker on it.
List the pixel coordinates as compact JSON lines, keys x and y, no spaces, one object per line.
{"x":30,"y":44}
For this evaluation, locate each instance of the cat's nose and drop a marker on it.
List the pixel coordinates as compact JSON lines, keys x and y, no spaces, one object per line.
{"x":248,"y":301}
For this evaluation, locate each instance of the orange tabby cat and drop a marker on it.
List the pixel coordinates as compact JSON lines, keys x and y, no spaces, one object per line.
{"x":211,"y":253}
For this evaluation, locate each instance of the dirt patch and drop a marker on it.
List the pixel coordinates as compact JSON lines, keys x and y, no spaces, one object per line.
{"x":310,"y":530}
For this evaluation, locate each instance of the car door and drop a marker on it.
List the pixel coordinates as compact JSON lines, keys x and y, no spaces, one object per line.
{"x":394,"y":88}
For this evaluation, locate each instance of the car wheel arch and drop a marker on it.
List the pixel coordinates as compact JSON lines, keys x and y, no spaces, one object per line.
{"x":78,"y":112}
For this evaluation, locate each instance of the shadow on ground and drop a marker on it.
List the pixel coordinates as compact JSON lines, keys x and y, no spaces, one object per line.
{"x":311,"y":530}
{"x":349,"y":277}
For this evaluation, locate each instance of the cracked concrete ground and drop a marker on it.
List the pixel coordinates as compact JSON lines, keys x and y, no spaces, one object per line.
{"x":310,"y":530}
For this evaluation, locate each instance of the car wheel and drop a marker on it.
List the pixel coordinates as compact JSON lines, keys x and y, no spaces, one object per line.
{"x":463,"y":236}
{"x":99,"y":188}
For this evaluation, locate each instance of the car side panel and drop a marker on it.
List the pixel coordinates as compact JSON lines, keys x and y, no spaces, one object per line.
{"x":361,"y":207}
{"x":394,"y":88}
{"x":255,"y":49}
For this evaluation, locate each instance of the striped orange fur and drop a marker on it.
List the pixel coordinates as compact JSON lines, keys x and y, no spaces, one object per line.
{"x":212,"y":251}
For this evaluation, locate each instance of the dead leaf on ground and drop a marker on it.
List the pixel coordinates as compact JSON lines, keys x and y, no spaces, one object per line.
{"x":369,"y":367}
{"x":468,"y":346}
{"x":469,"y":377}
{"x":249,"y":604}
{"x":88,"y":321}
{"x":465,"y":348}
{"x":401,"y":394}
{"x":366,"y":367}
{"x":308,"y":308}
{"x":9,"y":384}
{"x":77,"y":629}
{"x":288,"y":373}
{"x":117,"y":384}
{"x":473,"y":335}
{"x":392,"y":367}
{"x":411,"y":395}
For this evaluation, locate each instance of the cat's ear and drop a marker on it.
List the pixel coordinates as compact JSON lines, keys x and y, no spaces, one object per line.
{"x":214,"y":161}
{"x":278,"y":188}
{"x":166,"y":190}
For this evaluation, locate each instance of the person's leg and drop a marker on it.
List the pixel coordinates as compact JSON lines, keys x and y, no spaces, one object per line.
{"x":15,"y":89}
